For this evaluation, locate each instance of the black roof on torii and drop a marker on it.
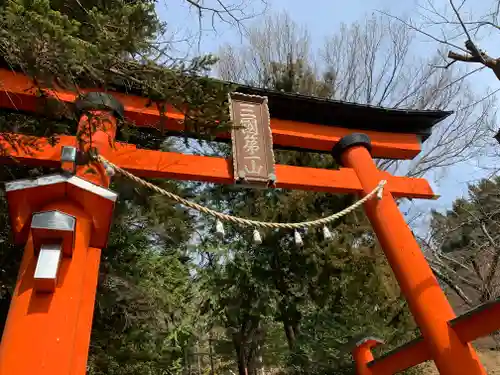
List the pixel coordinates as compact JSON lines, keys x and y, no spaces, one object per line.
{"x":309,"y":109}
{"x":297,"y":107}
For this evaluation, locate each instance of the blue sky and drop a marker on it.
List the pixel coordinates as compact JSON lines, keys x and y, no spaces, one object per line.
{"x":323,"y":17}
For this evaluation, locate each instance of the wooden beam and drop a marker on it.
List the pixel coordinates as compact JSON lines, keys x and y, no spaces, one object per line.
{"x":159,"y":164}
{"x":17,"y":91}
{"x":399,"y":359}
{"x":478,"y":322}
{"x":472,"y":325}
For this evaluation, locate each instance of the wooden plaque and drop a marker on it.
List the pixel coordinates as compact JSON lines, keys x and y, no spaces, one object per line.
{"x":252,"y":142}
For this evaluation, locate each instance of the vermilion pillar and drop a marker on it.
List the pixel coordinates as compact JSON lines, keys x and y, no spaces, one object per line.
{"x":49,"y":322}
{"x":426,"y":300}
{"x":362,"y":354}
{"x":97,"y":130}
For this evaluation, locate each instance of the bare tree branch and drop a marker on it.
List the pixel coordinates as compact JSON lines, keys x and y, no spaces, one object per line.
{"x":494,"y":261}
{"x":231,"y":12}
{"x":471,"y":46}
{"x":452,"y":285}
{"x":449,"y":270}
{"x":469,"y":233}
{"x":417,"y":29}
{"x":476,"y":24}
{"x":368,"y":62}
{"x":471,"y":53}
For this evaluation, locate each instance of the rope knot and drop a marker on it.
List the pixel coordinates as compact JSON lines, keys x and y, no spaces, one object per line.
{"x":380,"y":187}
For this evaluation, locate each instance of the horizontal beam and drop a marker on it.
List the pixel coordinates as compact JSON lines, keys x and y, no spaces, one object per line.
{"x":399,"y":359}
{"x":478,"y":322}
{"x":18,"y":92}
{"x":159,"y":164}
{"x":470,"y":326}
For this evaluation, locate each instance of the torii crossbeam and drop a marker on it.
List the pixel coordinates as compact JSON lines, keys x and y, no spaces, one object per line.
{"x":64,"y":220}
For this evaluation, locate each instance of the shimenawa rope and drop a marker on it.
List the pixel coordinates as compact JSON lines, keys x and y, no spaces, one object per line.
{"x":238,"y":220}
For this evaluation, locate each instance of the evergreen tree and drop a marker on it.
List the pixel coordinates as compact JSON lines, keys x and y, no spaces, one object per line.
{"x":321,"y":293}
{"x":145,"y":317}
{"x":464,"y":242}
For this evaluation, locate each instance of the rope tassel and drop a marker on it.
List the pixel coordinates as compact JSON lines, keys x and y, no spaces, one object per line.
{"x":219,"y":229}
{"x":298,"y":239}
{"x":257,"y":239}
{"x":327,"y":235}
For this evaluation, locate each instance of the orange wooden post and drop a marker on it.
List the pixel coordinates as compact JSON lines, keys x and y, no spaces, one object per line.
{"x":39,"y":334}
{"x":362,"y":354}
{"x":97,"y":129}
{"x":48,"y":326}
{"x":426,"y":300}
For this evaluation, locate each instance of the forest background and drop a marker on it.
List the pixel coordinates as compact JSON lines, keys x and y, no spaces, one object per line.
{"x":172,"y":297}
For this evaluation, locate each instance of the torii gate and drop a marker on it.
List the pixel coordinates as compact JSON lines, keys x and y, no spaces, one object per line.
{"x":64,"y":221}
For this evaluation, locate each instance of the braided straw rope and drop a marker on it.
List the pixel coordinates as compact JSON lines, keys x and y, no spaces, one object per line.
{"x":238,"y":220}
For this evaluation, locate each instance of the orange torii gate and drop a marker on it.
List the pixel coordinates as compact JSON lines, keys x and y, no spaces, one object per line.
{"x":64,"y":219}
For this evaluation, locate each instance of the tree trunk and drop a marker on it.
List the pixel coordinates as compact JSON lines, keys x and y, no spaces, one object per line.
{"x":290,"y":335}
{"x":251,"y":360}
{"x":212,"y":372}
{"x":240,"y":356}
{"x":296,"y":328}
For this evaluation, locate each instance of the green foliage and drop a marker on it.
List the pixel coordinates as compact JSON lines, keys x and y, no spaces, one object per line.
{"x":319,"y":295}
{"x":460,"y":228}
{"x":109,"y":44}
{"x":298,"y":76}
{"x":146,"y":309}
{"x":162,"y":290}
{"x":466,"y":237}
{"x":143,"y":318}
{"x":301,"y":304}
